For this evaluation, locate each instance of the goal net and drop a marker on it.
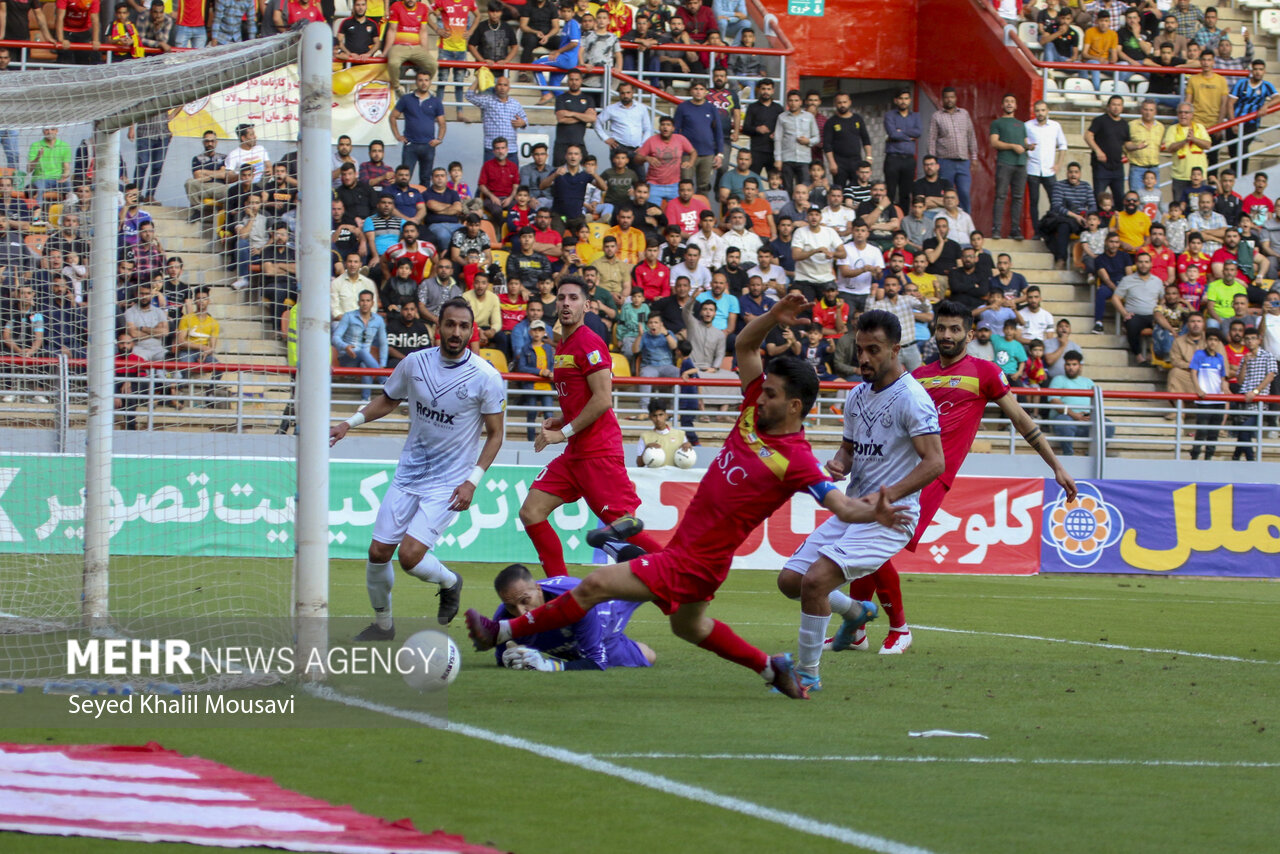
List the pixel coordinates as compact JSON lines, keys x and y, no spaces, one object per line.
{"x":149,"y":473}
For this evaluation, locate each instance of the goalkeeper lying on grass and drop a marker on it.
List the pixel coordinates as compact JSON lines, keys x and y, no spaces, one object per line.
{"x":596,"y":642}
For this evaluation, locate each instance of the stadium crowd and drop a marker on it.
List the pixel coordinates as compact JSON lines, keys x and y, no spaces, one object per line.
{"x":698,"y":222}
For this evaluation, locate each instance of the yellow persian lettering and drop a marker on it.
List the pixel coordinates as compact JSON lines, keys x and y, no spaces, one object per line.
{"x":1262,"y":534}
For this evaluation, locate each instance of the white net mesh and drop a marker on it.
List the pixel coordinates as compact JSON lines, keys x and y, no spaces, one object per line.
{"x":202,"y":503}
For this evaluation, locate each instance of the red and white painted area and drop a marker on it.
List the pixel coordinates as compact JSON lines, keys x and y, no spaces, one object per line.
{"x":149,"y":794}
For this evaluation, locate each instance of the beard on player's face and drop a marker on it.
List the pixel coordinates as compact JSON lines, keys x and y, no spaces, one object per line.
{"x":950,"y":348}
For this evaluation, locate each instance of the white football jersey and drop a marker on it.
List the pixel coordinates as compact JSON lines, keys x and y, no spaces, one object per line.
{"x":880,"y":425}
{"x":447,"y":402}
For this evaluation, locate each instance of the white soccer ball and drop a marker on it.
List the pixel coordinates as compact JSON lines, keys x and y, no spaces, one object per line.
{"x":654,"y":458}
{"x":429,"y":660}
{"x":686,"y":457}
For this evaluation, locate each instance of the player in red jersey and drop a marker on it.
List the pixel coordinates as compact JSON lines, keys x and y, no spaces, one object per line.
{"x":765,"y":460}
{"x":593,"y":467}
{"x":961,"y":386}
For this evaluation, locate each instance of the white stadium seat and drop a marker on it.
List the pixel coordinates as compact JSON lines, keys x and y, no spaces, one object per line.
{"x":1079,"y":91}
{"x":1030,"y":35}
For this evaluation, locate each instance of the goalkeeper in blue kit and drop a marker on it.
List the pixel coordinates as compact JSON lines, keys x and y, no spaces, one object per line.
{"x":596,"y":642}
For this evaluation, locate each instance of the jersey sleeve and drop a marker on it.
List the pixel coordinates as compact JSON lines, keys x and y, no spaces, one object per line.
{"x":397,"y":385}
{"x":993,"y":383}
{"x":850,"y":426}
{"x":493,"y":395}
{"x":595,"y":357}
{"x":919,"y":417}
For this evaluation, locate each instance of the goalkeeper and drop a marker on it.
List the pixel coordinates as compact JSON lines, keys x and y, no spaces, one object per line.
{"x":596,"y":642}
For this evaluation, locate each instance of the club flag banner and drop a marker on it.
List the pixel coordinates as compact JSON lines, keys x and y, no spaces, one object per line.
{"x":1170,"y":528}
{"x":986,"y":525}
{"x":362,"y":98}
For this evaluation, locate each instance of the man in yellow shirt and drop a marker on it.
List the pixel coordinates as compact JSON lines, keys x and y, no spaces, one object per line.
{"x":487,"y":309}
{"x":197,"y":337}
{"x":1208,"y":92}
{"x":631,"y":241}
{"x":1132,"y":224}
{"x":1147,"y":134}
{"x":1101,"y":44}
{"x":1185,"y":142}
{"x":457,"y":20}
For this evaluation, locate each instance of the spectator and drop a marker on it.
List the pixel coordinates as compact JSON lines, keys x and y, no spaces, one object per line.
{"x":564,"y":56}
{"x":279,"y":271}
{"x":1059,"y":39}
{"x":250,"y":239}
{"x":862,"y":266}
{"x":24,"y":333}
{"x":248,"y":153}
{"x":1135,"y":302}
{"x":208,"y":176}
{"x":147,"y":254}
{"x":1108,"y":138}
{"x":435,"y":291}
{"x":880,"y":215}
{"x":845,"y":141}
{"x":795,"y":132}
{"x":941,"y":253}
{"x":814,"y":248}
{"x":966,"y":284}
{"x":78,"y":23}
{"x":930,"y":186}
{"x":546,"y":239}
{"x":357,"y":335}
{"x":501,"y":115}
{"x":1011,"y":356}
{"x":424,"y":124}
{"x":1208,"y":370}
{"x":1101,"y":45}
{"x":994,"y":312}
{"x":902,"y":131}
{"x":624,"y":126}
{"x":1235,"y":249}
{"x":727,"y":306}
{"x":1011,"y":140}
{"x":494,"y":42}
{"x":1069,"y":202}
{"x":500,"y":179}
{"x":66,"y":324}
{"x":189,"y":21}
{"x":1193,"y":270}
{"x":654,"y":351}
{"x":1249,"y":95}
{"x":1208,"y":93}
{"x":859,"y":190}
{"x":980,"y":346}
{"x":198,"y":332}
{"x":952,"y":140}
{"x":698,"y":122}
{"x":692,"y":268}
{"x":1187,"y":142}
{"x":731,"y":182}
{"x":382,"y":230}
{"x":618,"y":19}
{"x":1227,"y":201}
{"x":536,"y":357}
{"x":406,"y":332}
{"x":1170,"y":316}
{"x":458,"y":19}
{"x":526,"y":264}
{"x":487,"y":310}
{"x":1257,"y":373}
{"x":146,"y":323}
{"x":539,"y":24}
{"x":759,"y":123}
{"x":1074,"y":421}
{"x":568,"y":185}
{"x":406,"y":22}
{"x":1220,"y":295}
{"x":599,"y":47}
{"x":280,"y":197}
{"x":358,"y":34}
{"x":757,"y":209}
{"x":1211,"y":225}
{"x":400,"y":285}
{"x":748,"y":243}
{"x":653,"y":278}
{"x":49,"y":163}
{"x":909,"y":310}
{"x":960,"y":224}
{"x":1108,"y":269}
{"x":442,"y":207}
{"x":667,"y":155}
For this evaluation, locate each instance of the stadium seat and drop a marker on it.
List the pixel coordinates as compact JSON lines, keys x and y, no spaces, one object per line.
{"x":487,"y":228}
{"x":1078,"y":90}
{"x":598,"y":231}
{"x":500,"y":258}
{"x":1030,"y":35}
{"x":1138,"y":84}
{"x":35,"y":242}
{"x":55,"y":214}
{"x":1112,"y":87}
{"x":1255,"y":4}
{"x":621,"y":367}
{"x":496,"y":358}
{"x":1269,"y":21}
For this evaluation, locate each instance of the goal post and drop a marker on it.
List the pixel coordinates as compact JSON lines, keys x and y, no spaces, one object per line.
{"x":36,"y":586}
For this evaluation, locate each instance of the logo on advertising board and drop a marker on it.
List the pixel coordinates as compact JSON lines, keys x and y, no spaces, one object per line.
{"x":1082,"y":529}
{"x":373,"y":100}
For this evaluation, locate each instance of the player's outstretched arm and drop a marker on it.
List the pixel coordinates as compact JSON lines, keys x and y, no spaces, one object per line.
{"x":372,"y":411}
{"x":870,"y":509}
{"x":464,"y":492}
{"x":751,"y":338}
{"x":1037,"y":440}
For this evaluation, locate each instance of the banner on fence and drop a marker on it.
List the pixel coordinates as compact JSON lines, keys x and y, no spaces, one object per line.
{"x":1163,"y":527}
{"x":986,"y":525}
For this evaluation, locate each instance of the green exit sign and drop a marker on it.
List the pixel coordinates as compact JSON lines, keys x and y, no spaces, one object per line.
{"x":812,"y":8}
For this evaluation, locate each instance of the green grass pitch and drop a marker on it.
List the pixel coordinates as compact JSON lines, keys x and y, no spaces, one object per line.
{"x":1093,"y":738}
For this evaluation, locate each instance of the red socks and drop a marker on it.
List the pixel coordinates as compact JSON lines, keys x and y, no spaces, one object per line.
{"x":889,"y":590}
{"x":724,"y":642}
{"x":561,"y":611}
{"x":863,"y":588}
{"x":547,"y":544}
{"x":646,"y":542}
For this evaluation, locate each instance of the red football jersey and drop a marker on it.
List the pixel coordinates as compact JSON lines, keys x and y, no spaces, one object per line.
{"x":752,"y":476}
{"x":579,"y":355}
{"x":421,"y":257}
{"x":961,"y":393}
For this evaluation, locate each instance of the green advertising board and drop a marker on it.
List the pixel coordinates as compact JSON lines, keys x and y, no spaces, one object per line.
{"x":809,"y":8}
{"x":245,"y":507}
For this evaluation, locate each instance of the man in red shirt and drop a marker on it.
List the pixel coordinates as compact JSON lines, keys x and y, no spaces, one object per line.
{"x":666,"y":153}
{"x":409,"y":39}
{"x":78,"y":22}
{"x":699,"y":20}
{"x":685,"y":210}
{"x":420,"y":252}
{"x":651,"y":275}
{"x":831,"y":313}
{"x":593,"y":466}
{"x":758,"y":210}
{"x":765,"y":461}
{"x":961,"y":386}
{"x":1164,"y":263}
{"x":188,"y":24}
{"x":499,"y":178}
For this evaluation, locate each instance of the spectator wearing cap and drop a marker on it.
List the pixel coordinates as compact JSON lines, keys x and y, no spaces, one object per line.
{"x":424,"y":126}
{"x":815,"y":248}
{"x":537,"y":357}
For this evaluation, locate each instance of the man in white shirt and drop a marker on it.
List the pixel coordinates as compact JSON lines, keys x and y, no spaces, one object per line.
{"x":838,"y":217}
{"x":862,"y":267}
{"x":773,"y":274}
{"x":249,"y":153}
{"x":739,"y":237}
{"x":813,"y":248}
{"x":693,"y":268}
{"x":1037,"y":322}
{"x":344,"y":290}
{"x":709,"y":242}
{"x":1047,"y":144}
{"x":959,"y":221}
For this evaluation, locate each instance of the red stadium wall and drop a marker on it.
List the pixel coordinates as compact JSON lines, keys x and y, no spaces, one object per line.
{"x":961,"y":44}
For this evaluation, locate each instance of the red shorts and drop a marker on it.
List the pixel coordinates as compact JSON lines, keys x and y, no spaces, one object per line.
{"x":675,"y":579}
{"x":602,"y":481}
{"x":931,"y":498}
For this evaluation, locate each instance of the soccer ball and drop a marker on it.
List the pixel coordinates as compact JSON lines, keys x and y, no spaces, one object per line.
{"x":686,"y":457}
{"x":654,"y":458}
{"x":429,"y":661}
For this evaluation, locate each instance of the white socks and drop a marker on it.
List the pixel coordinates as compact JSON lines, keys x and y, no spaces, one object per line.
{"x":813,"y":631}
{"x":841,"y":602}
{"x":378,"y":579}
{"x":431,"y":569}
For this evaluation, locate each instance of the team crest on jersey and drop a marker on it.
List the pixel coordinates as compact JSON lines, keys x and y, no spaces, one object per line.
{"x":594,"y":357}
{"x":765,"y":453}
{"x":955,"y":382}
{"x":463,"y":393}
{"x":886,"y":420}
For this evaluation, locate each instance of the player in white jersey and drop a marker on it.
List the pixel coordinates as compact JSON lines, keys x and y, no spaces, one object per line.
{"x":892,"y":443}
{"x":450,"y":392}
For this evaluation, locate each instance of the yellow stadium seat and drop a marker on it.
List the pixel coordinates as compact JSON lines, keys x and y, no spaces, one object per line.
{"x":621,"y":367}
{"x":500,"y":258}
{"x":55,"y":214}
{"x":496,"y":358}
{"x":598,"y":231}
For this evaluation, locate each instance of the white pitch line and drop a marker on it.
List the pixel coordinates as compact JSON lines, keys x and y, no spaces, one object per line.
{"x":1097,"y":644}
{"x":964,"y":760}
{"x":656,"y":782}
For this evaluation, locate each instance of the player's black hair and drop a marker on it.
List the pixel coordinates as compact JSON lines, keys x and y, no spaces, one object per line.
{"x":887,"y":322}
{"x":798,"y":378}
{"x":510,"y":575}
{"x":573,"y":280}
{"x":951,"y":308}
{"x":461,"y":304}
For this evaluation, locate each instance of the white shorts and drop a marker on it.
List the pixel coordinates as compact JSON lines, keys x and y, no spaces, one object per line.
{"x":858,"y":549}
{"x":423,"y":517}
